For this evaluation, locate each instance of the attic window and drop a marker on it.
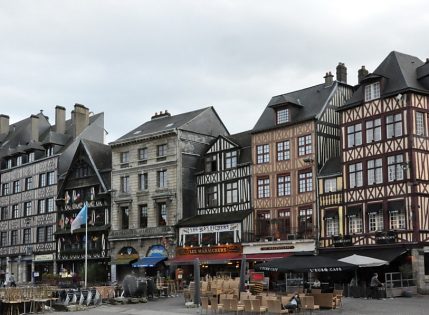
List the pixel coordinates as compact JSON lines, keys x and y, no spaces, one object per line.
{"x":282,"y":116}
{"x":372,"y":91}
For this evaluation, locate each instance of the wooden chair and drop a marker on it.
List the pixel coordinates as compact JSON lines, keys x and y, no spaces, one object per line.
{"x":257,"y":307}
{"x":205,"y":304}
{"x":275,"y":307}
{"x":316,"y":291}
{"x":338,"y":298}
{"x":235,"y":307}
{"x":215,"y":306}
{"x":226,"y":304}
{"x":307,"y":303}
{"x":247,"y":306}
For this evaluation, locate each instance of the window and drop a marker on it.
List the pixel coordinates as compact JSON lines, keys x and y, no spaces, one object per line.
{"x":375,"y":220}
{"x":304,"y":145}
{"x":50,"y":150}
{"x":162,"y":179}
{"x":305,"y":223}
{"x":125,"y":213}
{"x":375,"y":174}
{"x":263,"y":223}
{"x":354,"y":135}
{"x":15,"y":212}
{"x":162,"y":214}
{"x":161,"y":151}
{"x":226,"y":237}
{"x":26,"y":239}
{"x":354,"y":217}
{"x":142,"y":155}
{"x":41,"y":234}
{"x":3,"y":239}
{"x":283,"y":150}
{"x":395,"y":170}
{"x":42,"y":180}
{"x":211,"y":196}
{"x":14,"y":237}
{"x":16,"y":187}
{"x":19,"y":160}
{"x":29,"y":183}
{"x":49,"y":233}
{"x":330,"y":185}
{"x":283,"y":224}
{"x":143,"y":181}
{"x":305,"y":181}
{"x":396,"y":215}
{"x":394,"y":125}
{"x":332,"y":226}
{"x":263,"y":187}
{"x":143,"y":216}
{"x":211,"y":163}
{"x":50,"y":177}
{"x":420,"y":124}
{"x":50,"y":204}
{"x":208,"y":239}
{"x":231,"y":191}
{"x":9,"y":163}
{"x":426,"y":259}
{"x":373,"y":130}
{"x":372,"y":91}
{"x":42,"y":206}
{"x":230,"y":159}
{"x":125,"y":184}
{"x":5,"y":189}
{"x":30,"y":157}
{"x":282,"y":116}
{"x":27,"y":208}
{"x":283,"y":185}
{"x":355,"y":175}
{"x":262,"y":153}
{"x":125,"y":159}
{"x":3,"y":213}
{"x":192,"y":240}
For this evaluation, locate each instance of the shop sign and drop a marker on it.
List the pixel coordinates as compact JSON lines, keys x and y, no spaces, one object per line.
{"x":208,"y":250}
{"x":157,"y":251}
{"x":341,"y":241}
{"x":277,"y":247}
{"x":45,"y":257}
{"x":125,"y":255}
{"x":210,"y":228}
{"x":388,"y":237}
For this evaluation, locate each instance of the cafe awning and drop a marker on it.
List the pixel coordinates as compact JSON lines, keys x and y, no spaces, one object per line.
{"x":384,"y":253}
{"x":147,"y":262}
{"x":209,"y":259}
{"x":363,"y":261}
{"x":309,"y":263}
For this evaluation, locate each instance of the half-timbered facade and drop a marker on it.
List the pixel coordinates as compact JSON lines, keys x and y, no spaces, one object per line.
{"x":31,"y":153}
{"x":296,"y":134}
{"x":153,"y":182}
{"x":385,"y":157}
{"x":224,"y":204}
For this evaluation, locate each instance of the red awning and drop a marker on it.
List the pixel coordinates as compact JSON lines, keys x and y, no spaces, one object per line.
{"x":210,"y":259}
{"x":266,"y":256}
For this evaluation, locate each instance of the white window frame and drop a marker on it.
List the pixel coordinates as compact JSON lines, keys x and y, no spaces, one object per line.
{"x":395,"y":169}
{"x":420,"y":124}
{"x":330,"y":185}
{"x":372,"y":91}
{"x":332,"y":226}
{"x":355,"y":175}
{"x":354,"y":135}
{"x":375,"y":171}
{"x":373,"y":130}
{"x":282,"y":116}
{"x":375,"y":221}
{"x":397,"y":220}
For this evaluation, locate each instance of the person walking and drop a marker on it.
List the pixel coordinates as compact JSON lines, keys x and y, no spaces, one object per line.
{"x":374,"y":285}
{"x":12,"y":280}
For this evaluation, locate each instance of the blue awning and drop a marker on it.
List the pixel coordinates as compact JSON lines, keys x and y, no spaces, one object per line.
{"x":149,"y":261}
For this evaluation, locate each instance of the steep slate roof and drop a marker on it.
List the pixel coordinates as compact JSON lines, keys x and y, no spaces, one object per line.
{"x":244,"y":141}
{"x":332,"y":167}
{"x":230,"y":217}
{"x":309,"y":102}
{"x":399,"y":73}
{"x":163,"y":123}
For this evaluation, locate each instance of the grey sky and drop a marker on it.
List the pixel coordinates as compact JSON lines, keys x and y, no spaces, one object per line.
{"x":133,"y":58}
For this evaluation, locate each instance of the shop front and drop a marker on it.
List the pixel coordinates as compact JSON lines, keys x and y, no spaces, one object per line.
{"x":153,"y":263}
{"x":122,"y":262}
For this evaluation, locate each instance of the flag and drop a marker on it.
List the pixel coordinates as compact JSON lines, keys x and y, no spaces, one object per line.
{"x":80,"y":218}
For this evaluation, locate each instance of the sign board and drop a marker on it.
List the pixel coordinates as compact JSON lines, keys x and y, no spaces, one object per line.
{"x":257,"y":277}
{"x":221,"y":249}
{"x":45,"y":257}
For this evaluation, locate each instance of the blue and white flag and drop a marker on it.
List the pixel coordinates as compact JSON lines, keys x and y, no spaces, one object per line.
{"x":80,"y":218}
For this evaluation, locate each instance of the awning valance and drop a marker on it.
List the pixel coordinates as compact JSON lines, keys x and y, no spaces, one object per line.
{"x":354,"y":211}
{"x":331,"y":214}
{"x":396,"y":206}
{"x":266,"y":256}
{"x":386,"y":253}
{"x":374,"y":207}
{"x":210,"y":259}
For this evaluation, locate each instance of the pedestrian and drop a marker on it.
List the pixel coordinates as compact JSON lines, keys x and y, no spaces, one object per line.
{"x":12,"y":280}
{"x":373,"y":286}
{"x":294,"y":303}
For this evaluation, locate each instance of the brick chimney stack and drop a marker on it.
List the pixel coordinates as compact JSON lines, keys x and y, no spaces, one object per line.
{"x":160,"y":115}
{"x":341,"y":73}
{"x":60,"y":119}
{"x":34,"y":127}
{"x":329,"y":78}
{"x":80,"y":118}
{"x":4,"y":124}
{"x":362,"y":72}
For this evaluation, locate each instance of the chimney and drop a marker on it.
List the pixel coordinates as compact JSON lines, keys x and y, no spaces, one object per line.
{"x":160,"y":115}
{"x":341,"y":73}
{"x":60,"y":119}
{"x":329,"y":78}
{"x":34,"y":127}
{"x":80,"y":120}
{"x":4,"y":124}
{"x":362,"y":73}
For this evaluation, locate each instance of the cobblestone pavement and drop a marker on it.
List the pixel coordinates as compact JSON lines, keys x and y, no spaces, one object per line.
{"x":399,"y":306}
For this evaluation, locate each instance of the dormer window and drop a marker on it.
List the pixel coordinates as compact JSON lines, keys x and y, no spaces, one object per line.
{"x":372,"y":91}
{"x":50,"y":150}
{"x":282,"y":116}
{"x":30,"y":157}
{"x":9,"y":163}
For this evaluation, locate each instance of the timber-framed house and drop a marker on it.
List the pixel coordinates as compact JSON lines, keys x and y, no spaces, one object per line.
{"x":297,"y":133}
{"x":385,"y":156}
